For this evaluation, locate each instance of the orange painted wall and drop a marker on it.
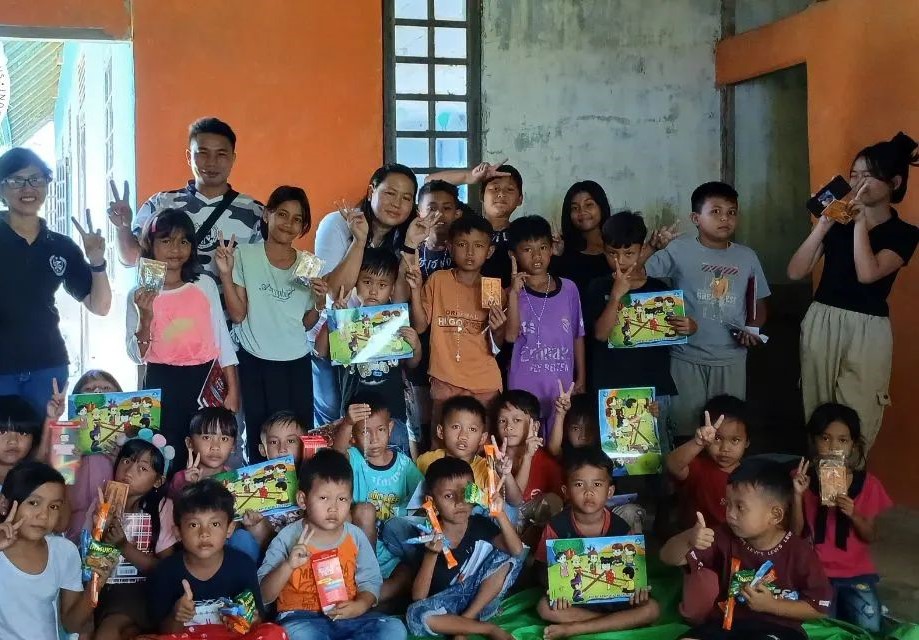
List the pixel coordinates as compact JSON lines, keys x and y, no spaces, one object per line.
{"x":862,"y":87}
{"x":300,"y":82}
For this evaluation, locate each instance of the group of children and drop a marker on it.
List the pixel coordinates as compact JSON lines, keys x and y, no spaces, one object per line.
{"x":516,"y":379}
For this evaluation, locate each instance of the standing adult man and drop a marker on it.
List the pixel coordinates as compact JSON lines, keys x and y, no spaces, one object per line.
{"x":209,"y":199}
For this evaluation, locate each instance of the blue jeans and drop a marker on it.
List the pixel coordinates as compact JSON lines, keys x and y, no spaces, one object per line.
{"x":326,"y":393}
{"x":34,"y":386}
{"x":311,"y":625}
{"x":855,"y":600}
{"x":456,"y":598}
{"x":398,"y":439}
{"x":242,"y":540}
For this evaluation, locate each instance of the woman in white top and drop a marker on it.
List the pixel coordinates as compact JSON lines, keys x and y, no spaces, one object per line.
{"x":271,"y":311}
{"x":380,"y":220}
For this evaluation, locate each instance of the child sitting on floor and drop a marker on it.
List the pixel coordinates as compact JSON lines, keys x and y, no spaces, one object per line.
{"x":842,"y":533}
{"x":459,"y":600}
{"x":210,"y":443}
{"x":287,"y":577}
{"x":384,"y":481}
{"x":701,"y":466}
{"x":792,"y":589}
{"x":588,"y":486}
{"x":183,"y":588}
{"x":576,"y":422}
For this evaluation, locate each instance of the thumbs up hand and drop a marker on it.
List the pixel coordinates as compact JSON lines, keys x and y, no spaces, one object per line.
{"x":700,"y":536}
{"x":184,"y":610}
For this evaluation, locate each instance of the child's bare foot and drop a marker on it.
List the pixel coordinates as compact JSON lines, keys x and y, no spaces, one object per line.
{"x":557,"y":631}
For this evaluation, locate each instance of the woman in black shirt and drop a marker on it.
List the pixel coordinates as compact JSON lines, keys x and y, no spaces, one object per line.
{"x":846,"y":340}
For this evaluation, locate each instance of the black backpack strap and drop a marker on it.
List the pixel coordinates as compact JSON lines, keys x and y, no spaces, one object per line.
{"x":208,"y":224}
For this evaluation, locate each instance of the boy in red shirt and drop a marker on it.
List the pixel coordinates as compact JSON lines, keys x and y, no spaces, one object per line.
{"x":703,"y":479}
{"x":773,"y":605}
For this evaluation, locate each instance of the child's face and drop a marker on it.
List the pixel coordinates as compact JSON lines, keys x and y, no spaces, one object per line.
{"x":443,"y":202}
{"x":751,"y":511}
{"x":282,"y":439}
{"x":203,"y":534}
{"x":514,"y":425}
{"x":626,"y":256}
{"x":214,"y":448}
{"x":374,"y":288}
{"x":285,"y":224}
{"x":14,"y":447}
{"x":730,"y":444}
{"x":40,"y":512}
{"x":139,"y":474}
{"x":717,"y":220}
{"x":392,"y":200}
{"x":580,"y":434}
{"x":371,"y":436}
{"x":585,"y":212}
{"x":449,"y":496}
{"x":97,"y":385}
{"x":174,"y":250}
{"x":588,"y":489}
{"x":501,"y":197}
{"x":327,"y":505}
{"x":463,"y":434}
{"x":471,"y":250}
{"x":533,"y":256}
{"x":836,"y":437}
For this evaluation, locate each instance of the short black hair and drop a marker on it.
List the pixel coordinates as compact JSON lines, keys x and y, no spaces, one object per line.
{"x":328,"y":465}
{"x":212,"y":125}
{"x":712,"y":190}
{"x":93,"y":375}
{"x":18,"y":416}
{"x":731,"y":407}
{"x":767,"y":476}
{"x":464,"y":403}
{"x":200,"y":497}
{"x":26,"y":477}
{"x":284,"y":194}
{"x":889,"y":159}
{"x":519,"y":399}
{"x":446,"y":468}
{"x":515,"y":176}
{"x":624,"y":229}
{"x":19,"y":158}
{"x":589,"y":456}
{"x":284,"y":416}
{"x":380,"y":262}
{"x":162,"y":225}
{"x":441,"y":186}
{"x":213,"y":420}
{"x":374,"y":399}
{"x":467,"y":223}
{"x":528,"y":228}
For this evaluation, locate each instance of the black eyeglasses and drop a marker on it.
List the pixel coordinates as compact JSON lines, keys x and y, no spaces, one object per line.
{"x":18,"y":182}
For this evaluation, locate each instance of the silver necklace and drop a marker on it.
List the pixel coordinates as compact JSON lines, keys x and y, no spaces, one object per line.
{"x":541,"y":312}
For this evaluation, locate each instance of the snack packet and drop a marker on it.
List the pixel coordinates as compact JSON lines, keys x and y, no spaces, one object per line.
{"x":308,"y":267}
{"x":239,"y":614}
{"x":491,"y":292}
{"x":330,"y":580}
{"x":832,"y":474}
{"x":151,"y":274}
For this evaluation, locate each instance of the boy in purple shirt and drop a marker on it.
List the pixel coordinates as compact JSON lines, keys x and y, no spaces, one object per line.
{"x":543,"y":320}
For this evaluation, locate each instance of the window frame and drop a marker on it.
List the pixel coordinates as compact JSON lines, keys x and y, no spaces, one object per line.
{"x":472,"y":99}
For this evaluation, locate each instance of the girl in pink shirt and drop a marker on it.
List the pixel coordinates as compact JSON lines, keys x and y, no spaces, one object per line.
{"x":843,"y":532}
{"x":179,"y":332}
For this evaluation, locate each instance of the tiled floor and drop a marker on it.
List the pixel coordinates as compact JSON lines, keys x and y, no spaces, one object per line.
{"x":897,"y":556}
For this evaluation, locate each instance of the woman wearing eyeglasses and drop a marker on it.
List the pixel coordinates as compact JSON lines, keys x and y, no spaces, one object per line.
{"x":34,"y":262}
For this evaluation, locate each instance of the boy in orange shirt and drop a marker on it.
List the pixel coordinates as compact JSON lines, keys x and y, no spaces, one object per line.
{"x":465,"y":336}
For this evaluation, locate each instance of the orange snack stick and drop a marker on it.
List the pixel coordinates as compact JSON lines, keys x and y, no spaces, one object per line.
{"x":428,"y":507}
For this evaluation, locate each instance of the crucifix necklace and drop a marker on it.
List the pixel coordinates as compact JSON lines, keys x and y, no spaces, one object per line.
{"x":458,"y":319}
{"x":538,"y":317}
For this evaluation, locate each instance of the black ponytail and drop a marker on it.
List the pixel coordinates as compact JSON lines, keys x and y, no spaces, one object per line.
{"x":892,"y":158}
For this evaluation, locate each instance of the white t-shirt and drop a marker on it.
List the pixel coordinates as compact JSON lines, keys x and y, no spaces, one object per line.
{"x":333,"y":237}
{"x":29,"y":605}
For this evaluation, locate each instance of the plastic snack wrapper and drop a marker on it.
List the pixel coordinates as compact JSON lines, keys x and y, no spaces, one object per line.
{"x":491,"y":457}
{"x":151,"y":274}
{"x":428,"y":507}
{"x":116,"y":495}
{"x":96,"y":555}
{"x":312,"y":443}
{"x":832,"y":474}
{"x":239,"y":614}
{"x":308,"y":267}
{"x":491,"y":292}
{"x":728,"y":621}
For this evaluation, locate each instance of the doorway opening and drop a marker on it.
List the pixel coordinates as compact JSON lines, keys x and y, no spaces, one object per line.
{"x":72,"y":102}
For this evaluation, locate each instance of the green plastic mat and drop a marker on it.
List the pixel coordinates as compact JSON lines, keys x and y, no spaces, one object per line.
{"x":518,"y":616}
